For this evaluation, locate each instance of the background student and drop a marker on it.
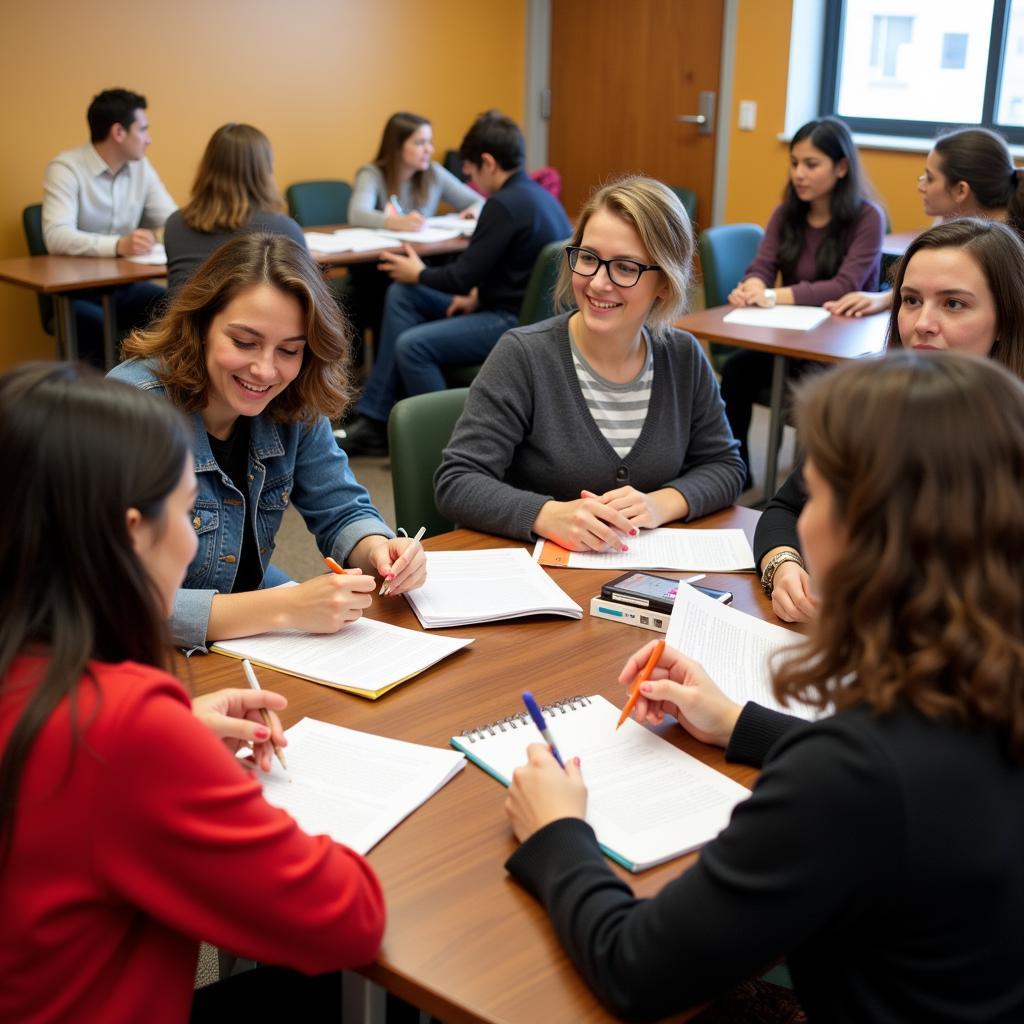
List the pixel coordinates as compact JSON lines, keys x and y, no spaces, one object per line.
{"x":403,"y":168}
{"x":824,"y":239}
{"x":959,"y":287}
{"x":454,"y":314}
{"x":105,"y":199}
{"x":128,"y":832}
{"x":968,"y":173}
{"x":255,"y":350}
{"x":233,"y":191}
{"x":915,"y":783}
{"x":591,"y":425}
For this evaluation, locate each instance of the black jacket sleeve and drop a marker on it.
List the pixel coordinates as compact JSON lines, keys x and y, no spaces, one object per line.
{"x":487,"y":248}
{"x":777,"y":525}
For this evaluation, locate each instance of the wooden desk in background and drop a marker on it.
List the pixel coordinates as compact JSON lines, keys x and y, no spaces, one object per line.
{"x":463,"y":941}
{"x":835,"y":340}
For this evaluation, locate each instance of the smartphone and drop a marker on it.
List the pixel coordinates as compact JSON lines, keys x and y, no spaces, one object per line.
{"x":646,"y":590}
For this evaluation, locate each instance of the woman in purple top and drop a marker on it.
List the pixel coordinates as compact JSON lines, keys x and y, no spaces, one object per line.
{"x":824,"y":239}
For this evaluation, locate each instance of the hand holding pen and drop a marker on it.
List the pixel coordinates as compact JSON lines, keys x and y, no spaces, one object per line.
{"x":244,"y":717}
{"x":404,"y":564}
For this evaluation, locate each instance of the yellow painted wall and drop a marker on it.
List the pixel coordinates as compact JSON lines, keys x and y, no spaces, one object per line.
{"x":320,"y":77}
{"x":758,"y":160}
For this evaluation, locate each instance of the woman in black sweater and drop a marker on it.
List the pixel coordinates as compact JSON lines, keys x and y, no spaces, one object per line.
{"x":880,"y":852}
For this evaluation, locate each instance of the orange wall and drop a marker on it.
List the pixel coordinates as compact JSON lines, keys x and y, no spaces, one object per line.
{"x":318,"y":76}
{"x":757,"y":159}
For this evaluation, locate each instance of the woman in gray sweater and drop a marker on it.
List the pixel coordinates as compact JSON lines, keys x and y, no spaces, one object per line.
{"x":592,"y":425}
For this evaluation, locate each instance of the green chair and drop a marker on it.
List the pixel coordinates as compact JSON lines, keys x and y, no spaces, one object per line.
{"x":32,"y":221}
{"x":538,"y":304}
{"x":689,"y":200}
{"x":316,"y":203}
{"x":725,"y":253}
{"x":418,"y":430}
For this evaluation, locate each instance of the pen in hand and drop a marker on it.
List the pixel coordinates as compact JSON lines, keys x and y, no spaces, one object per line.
{"x":385,"y":587}
{"x":538,"y":720}
{"x":396,"y":206}
{"x":264,"y":714}
{"x":645,"y":674}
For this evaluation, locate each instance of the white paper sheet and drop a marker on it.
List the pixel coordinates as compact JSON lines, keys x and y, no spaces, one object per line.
{"x":156,"y":257}
{"x":792,"y":318}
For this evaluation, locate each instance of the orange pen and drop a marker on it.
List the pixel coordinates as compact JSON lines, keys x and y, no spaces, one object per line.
{"x":333,"y":565}
{"x":645,"y":674}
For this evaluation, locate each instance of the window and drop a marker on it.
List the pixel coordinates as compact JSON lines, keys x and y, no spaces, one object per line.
{"x":914,"y":67}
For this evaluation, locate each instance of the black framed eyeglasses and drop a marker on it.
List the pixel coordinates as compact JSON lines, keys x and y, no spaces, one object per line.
{"x":622,"y":272}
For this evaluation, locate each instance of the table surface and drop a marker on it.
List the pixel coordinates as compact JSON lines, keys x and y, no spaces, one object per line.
{"x":896,"y":242}
{"x":836,"y":339}
{"x":463,"y":941}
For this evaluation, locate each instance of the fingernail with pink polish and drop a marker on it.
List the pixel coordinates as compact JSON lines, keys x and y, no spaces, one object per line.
{"x":623,"y":548}
{"x":632,"y":533}
{"x":261,"y":733}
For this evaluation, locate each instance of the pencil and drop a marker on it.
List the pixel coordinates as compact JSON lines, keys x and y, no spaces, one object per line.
{"x":264,"y":714}
{"x":645,"y":674}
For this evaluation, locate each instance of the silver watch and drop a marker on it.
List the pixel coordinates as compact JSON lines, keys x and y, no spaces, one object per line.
{"x":769,"y":294}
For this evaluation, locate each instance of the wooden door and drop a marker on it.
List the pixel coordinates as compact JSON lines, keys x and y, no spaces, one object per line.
{"x":621,"y":73}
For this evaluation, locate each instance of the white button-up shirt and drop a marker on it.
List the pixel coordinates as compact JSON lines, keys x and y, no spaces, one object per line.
{"x":86,"y":208}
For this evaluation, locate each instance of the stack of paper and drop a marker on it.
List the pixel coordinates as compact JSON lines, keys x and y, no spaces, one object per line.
{"x":349,"y":240}
{"x":453,"y":222}
{"x":484,"y":586}
{"x":693,"y":550}
{"x":791,"y":318}
{"x":156,"y":257}
{"x":365,"y":657}
{"x":425,"y":234}
{"x":353,"y":786}
{"x":735,"y":649}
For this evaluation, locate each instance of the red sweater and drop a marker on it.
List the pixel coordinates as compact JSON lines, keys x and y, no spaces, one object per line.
{"x":141,"y":839}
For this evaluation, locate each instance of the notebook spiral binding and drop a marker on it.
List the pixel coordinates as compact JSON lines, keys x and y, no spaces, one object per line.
{"x":559,"y":707}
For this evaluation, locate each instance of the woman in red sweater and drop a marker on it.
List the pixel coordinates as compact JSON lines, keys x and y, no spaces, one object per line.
{"x":128,"y":831}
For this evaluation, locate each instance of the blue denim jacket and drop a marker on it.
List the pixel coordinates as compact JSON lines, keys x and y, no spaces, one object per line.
{"x":288,"y":462}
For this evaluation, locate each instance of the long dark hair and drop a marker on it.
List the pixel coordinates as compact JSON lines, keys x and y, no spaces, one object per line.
{"x":1000,"y":254}
{"x":833,"y":138}
{"x":924,"y":603}
{"x":982,"y":159}
{"x":389,"y":156}
{"x":81,"y":451}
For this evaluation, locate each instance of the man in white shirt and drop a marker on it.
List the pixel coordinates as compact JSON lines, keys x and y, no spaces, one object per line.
{"x":105,"y":199}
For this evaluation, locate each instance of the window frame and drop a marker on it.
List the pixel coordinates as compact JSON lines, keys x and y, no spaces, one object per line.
{"x":835,"y":11}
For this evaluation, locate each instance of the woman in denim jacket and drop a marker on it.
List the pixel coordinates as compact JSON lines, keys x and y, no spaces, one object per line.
{"x":254,"y":348}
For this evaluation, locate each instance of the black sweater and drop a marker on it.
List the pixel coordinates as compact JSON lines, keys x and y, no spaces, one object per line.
{"x":777,"y":526}
{"x":883,"y":857}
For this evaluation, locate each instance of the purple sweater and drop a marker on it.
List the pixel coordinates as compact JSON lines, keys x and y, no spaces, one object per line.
{"x":858,"y":271}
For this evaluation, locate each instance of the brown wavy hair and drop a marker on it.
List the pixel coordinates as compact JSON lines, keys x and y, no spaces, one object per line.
{"x":177,"y":341}
{"x":999,"y":253}
{"x":389,"y":156}
{"x":924,"y":605}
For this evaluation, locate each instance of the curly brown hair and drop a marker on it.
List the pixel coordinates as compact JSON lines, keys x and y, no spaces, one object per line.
{"x":178,"y":340}
{"x":924,"y":605}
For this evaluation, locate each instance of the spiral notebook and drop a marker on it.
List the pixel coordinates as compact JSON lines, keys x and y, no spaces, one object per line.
{"x":648,"y":801}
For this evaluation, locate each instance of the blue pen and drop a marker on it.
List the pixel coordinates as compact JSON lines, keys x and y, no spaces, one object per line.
{"x":538,"y":720}
{"x":396,"y":206}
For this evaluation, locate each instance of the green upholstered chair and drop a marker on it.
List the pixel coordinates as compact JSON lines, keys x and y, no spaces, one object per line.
{"x":725,"y":252}
{"x":32,"y":221}
{"x":689,"y":200}
{"x":315,"y":203}
{"x":538,"y":304}
{"x":418,"y":430}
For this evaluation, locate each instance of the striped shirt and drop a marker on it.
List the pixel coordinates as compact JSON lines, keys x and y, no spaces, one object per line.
{"x":619,"y":410}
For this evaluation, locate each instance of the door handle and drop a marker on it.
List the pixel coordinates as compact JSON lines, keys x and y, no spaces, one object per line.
{"x":705,"y":120}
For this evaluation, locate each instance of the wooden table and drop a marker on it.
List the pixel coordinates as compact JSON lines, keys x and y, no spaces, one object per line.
{"x":463,"y":941}
{"x":62,"y":276}
{"x":833,"y":341}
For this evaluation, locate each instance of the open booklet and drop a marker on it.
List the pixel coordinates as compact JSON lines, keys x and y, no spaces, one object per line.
{"x":647,"y":800}
{"x":484,"y":586}
{"x":662,"y":548}
{"x":354,"y":786}
{"x":735,"y":649}
{"x":366,"y":657}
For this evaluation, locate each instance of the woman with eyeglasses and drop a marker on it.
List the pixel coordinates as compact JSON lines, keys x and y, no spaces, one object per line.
{"x":824,"y":239}
{"x":968,"y":173}
{"x":602,"y":421}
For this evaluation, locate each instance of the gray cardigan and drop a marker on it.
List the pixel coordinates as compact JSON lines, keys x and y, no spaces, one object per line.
{"x":527,"y":436}
{"x":365,"y":208}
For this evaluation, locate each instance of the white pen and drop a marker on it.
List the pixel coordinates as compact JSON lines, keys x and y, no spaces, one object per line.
{"x":264,"y":714}
{"x":385,"y":587}
{"x":396,"y":206}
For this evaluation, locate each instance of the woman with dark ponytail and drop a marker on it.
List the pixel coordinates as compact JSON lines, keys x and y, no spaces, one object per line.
{"x":825,"y":239}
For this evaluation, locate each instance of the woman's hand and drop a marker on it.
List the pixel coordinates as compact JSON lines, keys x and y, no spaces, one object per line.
{"x":678,"y":686}
{"x":542,"y":793}
{"x":749,"y":293}
{"x":644,"y":511}
{"x":326,"y":603}
{"x":859,"y":303}
{"x":792,"y":599}
{"x":234,"y":716}
{"x":412,"y":221}
{"x":587,"y":524}
{"x":401,"y":561}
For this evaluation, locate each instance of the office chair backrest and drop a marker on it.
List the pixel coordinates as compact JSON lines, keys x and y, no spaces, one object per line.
{"x":32,"y":222}
{"x":725,"y":252}
{"x":539,"y":300}
{"x":315,"y":203}
{"x":418,"y":430}
{"x":689,"y":200}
